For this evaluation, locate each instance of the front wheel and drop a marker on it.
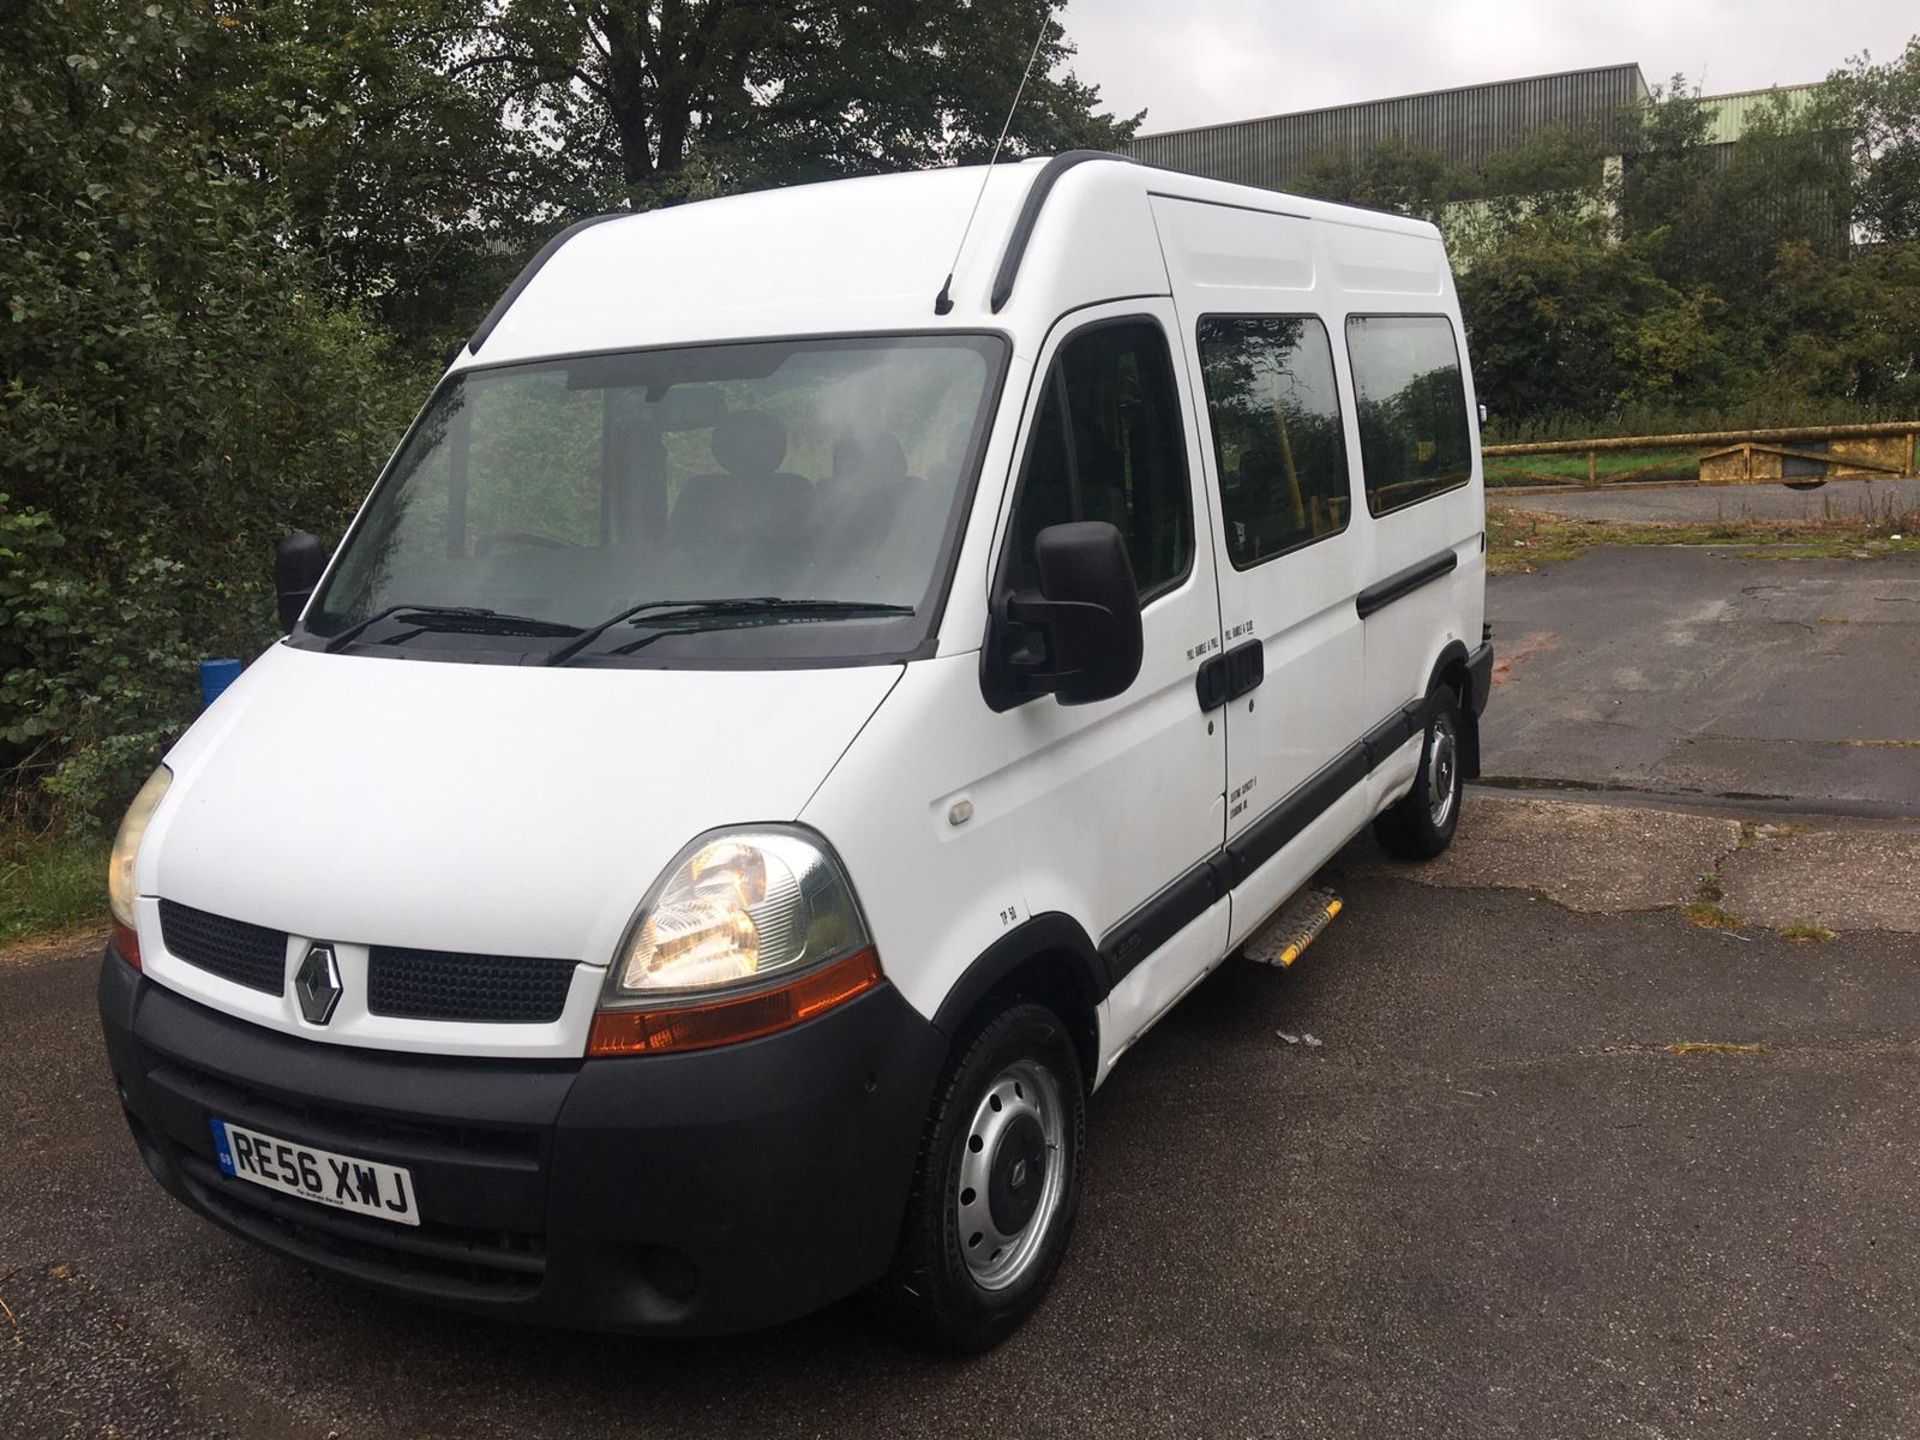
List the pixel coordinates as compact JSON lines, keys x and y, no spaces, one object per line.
{"x":996,"y":1185}
{"x":1421,"y":824}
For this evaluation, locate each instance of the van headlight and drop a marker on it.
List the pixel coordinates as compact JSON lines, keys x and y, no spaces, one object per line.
{"x":126,"y":844}
{"x":748,"y":932}
{"x":126,"y":847}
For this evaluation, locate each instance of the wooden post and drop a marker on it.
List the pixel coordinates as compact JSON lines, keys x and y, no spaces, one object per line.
{"x":1593,"y":468}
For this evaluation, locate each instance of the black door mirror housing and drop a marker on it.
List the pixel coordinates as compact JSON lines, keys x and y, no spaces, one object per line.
{"x":298,"y":561}
{"x":1078,"y":637}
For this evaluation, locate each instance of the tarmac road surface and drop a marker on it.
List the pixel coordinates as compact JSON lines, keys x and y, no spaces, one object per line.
{"x":1702,"y":672}
{"x":1508,"y":1193}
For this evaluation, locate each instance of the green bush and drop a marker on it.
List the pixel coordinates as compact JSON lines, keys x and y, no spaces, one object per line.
{"x":174,"y":395}
{"x":95,"y":677}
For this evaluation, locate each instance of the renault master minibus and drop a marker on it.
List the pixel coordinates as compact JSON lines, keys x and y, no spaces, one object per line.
{"x":786,"y":721}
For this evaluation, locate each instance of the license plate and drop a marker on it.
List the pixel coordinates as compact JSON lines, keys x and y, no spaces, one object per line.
{"x":366,"y":1187}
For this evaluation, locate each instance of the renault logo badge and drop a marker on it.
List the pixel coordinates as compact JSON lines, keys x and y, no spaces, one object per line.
{"x":317,"y":984}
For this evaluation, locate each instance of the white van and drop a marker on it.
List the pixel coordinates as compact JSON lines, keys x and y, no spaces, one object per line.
{"x":783,"y":726}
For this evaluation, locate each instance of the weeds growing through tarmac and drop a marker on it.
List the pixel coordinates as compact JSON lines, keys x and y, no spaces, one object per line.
{"x":1520,"y":541}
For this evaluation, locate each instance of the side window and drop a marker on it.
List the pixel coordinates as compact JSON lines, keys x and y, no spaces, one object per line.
{"x":1412,"y":408}
{"x":1107,"y":446}
{"x":1275,"y":410}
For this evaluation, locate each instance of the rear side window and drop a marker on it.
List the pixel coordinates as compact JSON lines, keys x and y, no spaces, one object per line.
{"x":1107,"y":445}
{"x":1412,"y":408}
{"x":1277,"y":442}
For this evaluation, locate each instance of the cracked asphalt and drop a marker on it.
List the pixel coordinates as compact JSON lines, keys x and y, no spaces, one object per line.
{"x":1711,"y":672}
{"x":1562,"y":1164}
{"x":1503,"y":1196}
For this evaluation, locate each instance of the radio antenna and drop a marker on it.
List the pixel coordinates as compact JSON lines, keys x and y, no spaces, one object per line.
{"x":943,"y":302}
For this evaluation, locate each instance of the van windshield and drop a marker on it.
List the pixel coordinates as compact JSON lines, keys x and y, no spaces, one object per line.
{"x":782,"y":501}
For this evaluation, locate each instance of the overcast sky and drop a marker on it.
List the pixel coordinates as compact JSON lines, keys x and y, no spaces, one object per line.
{"x":1197,"y":62}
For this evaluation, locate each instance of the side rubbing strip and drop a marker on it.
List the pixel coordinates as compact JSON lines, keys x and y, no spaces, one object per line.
{"x":1389,"y":735}
{"x":1265,"y":837}
{"x":1043,"y":184}
{"x":1403,"y":583}
{"x":1190,"y":896}
{"x":1160,"y":919}
{"x":525,"y":278}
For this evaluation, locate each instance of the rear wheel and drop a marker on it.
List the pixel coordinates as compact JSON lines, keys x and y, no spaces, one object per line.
{"x":1421,"y":824}
{"x":996,"y":1185}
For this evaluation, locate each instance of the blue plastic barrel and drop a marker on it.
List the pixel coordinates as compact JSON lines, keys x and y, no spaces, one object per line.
{"x":215,"y":677}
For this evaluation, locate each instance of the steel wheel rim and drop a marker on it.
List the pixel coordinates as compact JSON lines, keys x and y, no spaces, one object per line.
{"x":1442,"y":770}
{"x":1019,"y":1121}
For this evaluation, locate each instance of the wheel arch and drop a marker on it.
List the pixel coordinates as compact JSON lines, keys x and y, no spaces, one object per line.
{"x":1049,"y":958}
{"x":1452,"y":668}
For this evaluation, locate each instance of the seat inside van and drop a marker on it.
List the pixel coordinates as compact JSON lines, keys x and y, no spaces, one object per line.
{"x":753,"y":500}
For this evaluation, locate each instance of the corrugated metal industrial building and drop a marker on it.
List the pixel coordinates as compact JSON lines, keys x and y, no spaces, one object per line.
{"x":1466,"y":125}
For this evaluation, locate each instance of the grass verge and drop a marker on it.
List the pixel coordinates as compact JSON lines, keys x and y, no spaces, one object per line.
{"x":1521,"y":541}
{"x":1512,"y":470}
{"x":50,"y":883}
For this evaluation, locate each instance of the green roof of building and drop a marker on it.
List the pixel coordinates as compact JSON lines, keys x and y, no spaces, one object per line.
{"x":1731,"y":115}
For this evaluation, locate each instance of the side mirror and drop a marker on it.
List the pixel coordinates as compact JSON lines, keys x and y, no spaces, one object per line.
{"x":298,"y":561}
{"x":1078,"y":638}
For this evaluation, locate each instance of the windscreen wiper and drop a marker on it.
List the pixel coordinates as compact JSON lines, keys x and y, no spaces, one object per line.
{"x":748,"y":605}
{"x":457,"y":619}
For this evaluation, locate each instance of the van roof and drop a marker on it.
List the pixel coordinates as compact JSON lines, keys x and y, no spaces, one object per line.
{"x":865,"y":255}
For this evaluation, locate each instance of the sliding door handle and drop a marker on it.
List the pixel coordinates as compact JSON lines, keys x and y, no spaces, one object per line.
{"x":1211,"y":683}
{"x":1229,"y":676}
{"x":1246,"y":668}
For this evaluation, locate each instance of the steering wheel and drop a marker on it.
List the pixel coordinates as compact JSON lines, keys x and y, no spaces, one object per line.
{"x":487,"y":539}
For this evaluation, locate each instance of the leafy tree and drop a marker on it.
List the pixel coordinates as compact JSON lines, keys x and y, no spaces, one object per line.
{"x":1881,"y":105}
{"x":652,"y":101}
{"x":1714,"y":215}
{"x":1557,"y":160}
{"x":1849,"y":332}
{"x":1787,"y":182}
{"x":174,"y":392}
{"x":385,"y":155}
{"x":1562,"y":320}
{"x":1391,"y":175}
{"x":1663,"y":197}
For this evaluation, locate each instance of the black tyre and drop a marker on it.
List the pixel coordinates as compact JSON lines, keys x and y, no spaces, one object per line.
{"x":996,"y":1185}
{"x":1421,"y":824}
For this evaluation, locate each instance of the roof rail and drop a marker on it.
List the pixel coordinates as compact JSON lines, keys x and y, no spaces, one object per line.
{"x":531,"y":269}
{"x":1043,"y":184}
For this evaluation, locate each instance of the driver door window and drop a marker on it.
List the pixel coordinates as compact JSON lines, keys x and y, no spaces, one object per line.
{"x":1107,"y":445}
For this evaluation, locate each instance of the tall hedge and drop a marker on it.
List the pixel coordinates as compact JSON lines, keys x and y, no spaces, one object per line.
{"x":174,"y":394}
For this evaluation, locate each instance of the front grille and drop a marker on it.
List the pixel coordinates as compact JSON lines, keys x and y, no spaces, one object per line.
{"x":406,"y":984}
{"x":249,"y":955}
{"x":459,"y":1257}
{"x":496,"y":989}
